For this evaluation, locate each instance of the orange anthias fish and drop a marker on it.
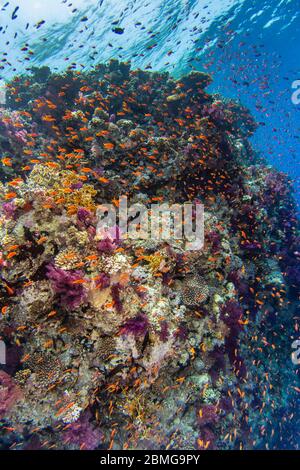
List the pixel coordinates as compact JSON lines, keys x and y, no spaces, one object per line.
{"x":109,"y":146}
{"x":10,"y":195}
{"x":6,"y":161}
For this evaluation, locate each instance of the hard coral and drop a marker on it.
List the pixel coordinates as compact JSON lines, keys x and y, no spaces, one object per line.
{"x":194,"y":291}
{"x":46,"y":367}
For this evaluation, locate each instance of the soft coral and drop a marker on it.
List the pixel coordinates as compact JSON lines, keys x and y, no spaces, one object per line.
{"x":63,"y":282}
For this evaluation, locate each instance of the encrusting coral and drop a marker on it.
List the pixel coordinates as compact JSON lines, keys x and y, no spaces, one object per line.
{"x":143,"y":333}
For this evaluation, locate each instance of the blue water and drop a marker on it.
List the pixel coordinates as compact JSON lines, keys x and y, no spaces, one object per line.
{"x":250,"y":47}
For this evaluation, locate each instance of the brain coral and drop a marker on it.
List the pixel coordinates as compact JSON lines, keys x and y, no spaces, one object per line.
{"x":194,"y":291}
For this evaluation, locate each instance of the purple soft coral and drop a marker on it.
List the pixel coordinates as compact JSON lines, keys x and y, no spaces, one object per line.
{"x":137,"y":326}
{"x":10,"y":123}
{"x":83,"y":435}
{"x":231,"y":315}
{"x":84,"y":216}
{"x":164,"y":331}
{"x":9,"y":209}
{"x":103,"y":281}
{"x":70,"y":293}
{"x":106,"y":246}
{"x":115,"y":293}
{"x":208,"y":414}
{"x":111,"y":239}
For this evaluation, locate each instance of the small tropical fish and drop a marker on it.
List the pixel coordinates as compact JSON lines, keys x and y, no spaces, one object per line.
{"x":108,"y":146}
{"x":7,"y":161}
{"x":79,"y":281}
{"x":10,"y":195}
{"x":4,"y":309}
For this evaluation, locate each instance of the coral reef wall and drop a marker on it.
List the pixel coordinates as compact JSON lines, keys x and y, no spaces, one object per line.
{"x":142,"y":344}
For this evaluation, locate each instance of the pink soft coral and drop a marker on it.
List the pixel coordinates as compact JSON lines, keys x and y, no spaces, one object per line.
{"x":9,"y":393}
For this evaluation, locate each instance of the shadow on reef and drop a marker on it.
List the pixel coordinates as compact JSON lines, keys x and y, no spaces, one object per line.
{"x":181,"y":349}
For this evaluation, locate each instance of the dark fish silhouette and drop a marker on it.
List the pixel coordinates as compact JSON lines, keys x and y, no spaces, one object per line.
{"x":40,"y":23}
{"x":118,"y":30}
{"x":14,"y":15}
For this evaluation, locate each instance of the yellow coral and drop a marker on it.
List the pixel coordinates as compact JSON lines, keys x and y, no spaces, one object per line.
{"x":73,"y":199}
{"x":57,"y":184}
{"x":155,"y":261}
